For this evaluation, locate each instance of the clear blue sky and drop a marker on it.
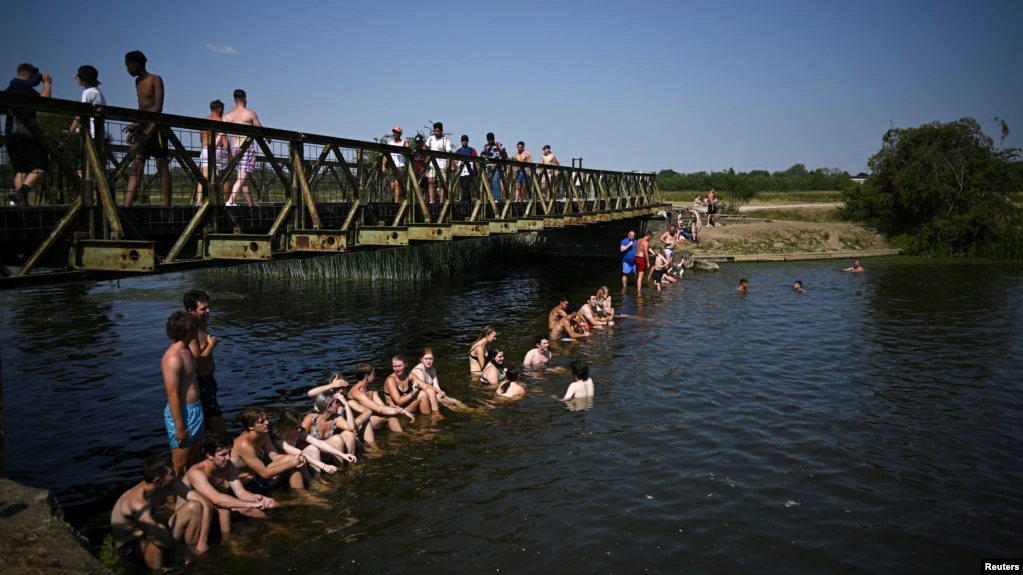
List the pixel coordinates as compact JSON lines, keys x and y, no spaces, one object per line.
{"x":624,"y":84}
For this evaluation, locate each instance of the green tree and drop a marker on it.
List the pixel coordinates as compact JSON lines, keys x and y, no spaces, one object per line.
{"x":942,"y":189}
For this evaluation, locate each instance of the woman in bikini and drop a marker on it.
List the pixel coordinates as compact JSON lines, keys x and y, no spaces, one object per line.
{"x":424,"y":375}
{"x":401,"y":391}
{"x":604,"y":308}
{"x":289,"y":437}
{"x":479,"y":350}
{"x":332,"y":421}
{"x":493,"y":372}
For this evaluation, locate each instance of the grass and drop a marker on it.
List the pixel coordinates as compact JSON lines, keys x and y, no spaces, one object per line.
{"x":415,"y":263}
{"x":793,"y":197}
{"x":817,"y":215}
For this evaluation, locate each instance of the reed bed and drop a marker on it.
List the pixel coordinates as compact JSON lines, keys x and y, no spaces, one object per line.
{"x":414,"y":263}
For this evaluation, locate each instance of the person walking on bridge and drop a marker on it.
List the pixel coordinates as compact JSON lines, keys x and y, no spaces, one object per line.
{"x":492,"y":150}
{"x":149,"y":89}
{"x":242,"y":115}
{"x":522,"y":174}
{"x":220,"y":159}
{"x":397,"y":161}
{"x":29,"y":160}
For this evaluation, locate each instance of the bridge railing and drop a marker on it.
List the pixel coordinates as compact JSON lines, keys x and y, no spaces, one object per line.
{"x":310,"y":182}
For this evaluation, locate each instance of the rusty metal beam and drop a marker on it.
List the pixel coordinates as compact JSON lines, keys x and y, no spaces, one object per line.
{"x":238,"y":246}
{"x":115,"y":255}
{"x":55,"y":234}
{"x":107,"y":201}
{"x":307,"y":194}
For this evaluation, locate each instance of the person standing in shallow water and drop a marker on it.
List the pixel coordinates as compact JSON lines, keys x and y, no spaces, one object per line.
{"x":182,"y":417}
{"x":197,"y":304}
{"x":628,"y":251}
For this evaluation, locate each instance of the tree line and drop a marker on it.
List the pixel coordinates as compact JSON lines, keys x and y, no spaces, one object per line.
{"x":796,"y":178}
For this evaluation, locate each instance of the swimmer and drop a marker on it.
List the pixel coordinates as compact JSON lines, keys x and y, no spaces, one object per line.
{"x":566,"y":326}
{"x":479,"y":349}
{"x":743,"y":283}
{"x":856,"y":267}
{"x":583,"y":385}
{"x":254,"y":446}
{"x":589,"y":313}
{"x":137,"y":535}
{"x":798,"y":286}
{"x":333,"y":421}
{"x":425,"y":376}
{"x":510,"y":389}
{"x":494,"y":372}
{"x":540,"y":355}
{"x":217,"y":475}
{"x":557,"y":313}
{"x":364,"y":399}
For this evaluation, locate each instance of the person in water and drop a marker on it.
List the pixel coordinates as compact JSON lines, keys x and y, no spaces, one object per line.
{"x":540,"y":355}
{"x":254,"y":446}
{"x":363,"y":398}
{"x":334,"y":423}
{"x":137,"y":535}
{"x":336,"y":383}
{"x":589,"y":313}
{"x":856,"y":268}
{"x":604,"y":308}
{"x":510,"y":389}
{"x":479,"y":350}
{"x":494,"y":372}
{"x":743,"y":284}
{"x":798,"y":286}
{"x":401,"y":391}
{"x":557,"y":313}
{"x":217,"y":475}
{"x":583,"y":385}
{"x":183,"y":416}
{"x":425,"y":376}
{"x":569,"y":326}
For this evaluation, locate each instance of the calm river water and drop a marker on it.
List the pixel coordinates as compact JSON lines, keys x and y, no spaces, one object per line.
{"x":870,"y":424}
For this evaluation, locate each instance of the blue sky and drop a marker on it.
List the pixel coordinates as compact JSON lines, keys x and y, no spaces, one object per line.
{"x":626,"y":85}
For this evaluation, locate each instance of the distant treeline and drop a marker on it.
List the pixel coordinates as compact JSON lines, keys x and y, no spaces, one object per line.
{"x":795,"y":178}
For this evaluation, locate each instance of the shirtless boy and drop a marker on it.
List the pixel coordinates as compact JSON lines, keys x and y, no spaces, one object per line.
{"x":149,"y":89}
{"x":217,"y":475}
{"x":583,"y":385}
{"x":253,"y":446}
{"x":660,"y":269}
{"x":197,"y":304}
{"x":566,"y":326}
{"x":521,"y":173}
{"x":642,"y":255}
{"x":589,"y":313}
{"x":549,"y":159}
{"x":246,"y":117}
{"x":362,"y":397}
{"x":136,"y":533}
{"x":540,"y":355}
{"x":221,"y":159}
{"x":557,"y":313}
{"x":183,"y":415}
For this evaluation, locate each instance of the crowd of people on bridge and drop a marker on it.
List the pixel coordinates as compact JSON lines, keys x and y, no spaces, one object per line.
{"x":30,"y":158}
{"x":212,"y":478}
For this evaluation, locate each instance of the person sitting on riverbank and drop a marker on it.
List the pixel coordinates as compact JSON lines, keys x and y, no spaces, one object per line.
{"x":494,"y":371}
{"x":856,"y":268}
{"x":582,"y":387}
{"x":569,"y":326}
{"x":253,"y":446}
{"x":362,"y":398}
{"x":401,"y":391}
{"x":425,"y":376}
{"x":540,"y":355}
{"x":604,"y":309}
{"x":137,"y":535}
{"x":557,"y":313}
{"x":510,"y":389}
{"x":479,"y":349}
{"x":216,"y":475}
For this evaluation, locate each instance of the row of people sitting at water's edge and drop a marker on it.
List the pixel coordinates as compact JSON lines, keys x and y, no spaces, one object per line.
{"x":430,"y":178}
{"x":635,"y":255}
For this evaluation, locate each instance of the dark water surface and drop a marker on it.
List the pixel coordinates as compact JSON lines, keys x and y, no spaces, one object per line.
{"x":871,"y":424}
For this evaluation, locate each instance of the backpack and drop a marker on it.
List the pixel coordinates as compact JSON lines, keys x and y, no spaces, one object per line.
{"x":504,"y":153}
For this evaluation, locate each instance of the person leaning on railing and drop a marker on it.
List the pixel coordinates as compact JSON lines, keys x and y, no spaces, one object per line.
{"x":28,"y":158}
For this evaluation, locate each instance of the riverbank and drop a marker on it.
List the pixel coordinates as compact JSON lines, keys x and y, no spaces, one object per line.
{"x":35,"y":539}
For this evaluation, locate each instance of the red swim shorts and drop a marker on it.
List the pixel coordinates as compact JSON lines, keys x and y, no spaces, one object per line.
{"x":640,"y":265}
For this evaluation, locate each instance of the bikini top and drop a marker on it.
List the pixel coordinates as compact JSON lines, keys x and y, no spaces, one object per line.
{"x":500,"y":375}
{"x":315,"y":433}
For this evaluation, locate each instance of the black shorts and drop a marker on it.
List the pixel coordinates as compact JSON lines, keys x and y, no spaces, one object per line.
{"x":27,"y":155}
{"x":130,"y":553}
{"x":208,"y":397}
{"x":658,"y":275}
{"x":712,"y":209}
{"x":156,"y":147}
{"x":260,"y":486}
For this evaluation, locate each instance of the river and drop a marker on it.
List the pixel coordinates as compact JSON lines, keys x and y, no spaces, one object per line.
{"x":870,"y":424}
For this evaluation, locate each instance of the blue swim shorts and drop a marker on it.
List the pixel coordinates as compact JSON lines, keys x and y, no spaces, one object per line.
{"x":521,"y":178}
{"x":193,"y":419}
{"x":628,"y":268}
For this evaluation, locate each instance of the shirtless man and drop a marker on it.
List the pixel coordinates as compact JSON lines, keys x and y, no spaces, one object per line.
{"x":589,"y":313}
{"x":565,"y":327}
{"x":149,"y":89}
{"x":743,"y":284}
{"x":362,"y":397}
{"x":642,"y":255}
{"x":136,"y":533}
{"x":246,"y":117}
{"x":217,"y":115}
{"x":557,"y":313}
{"x":217,"y":475}
{"x":583,"y":385}
{"x":856,"y":268}
{"x":797,"y":286}
{"x":521,"y":173}
{"x":197,"y":304}
{"x":183,"y":415}
{"x":540,"y":355}
{"x":694,"y":226}
{"x":712,"y":209}
{"x":252,"y":446}
{"x":548,"y":158}
{"x":396,"y":160}
{"x":669,"y":239}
